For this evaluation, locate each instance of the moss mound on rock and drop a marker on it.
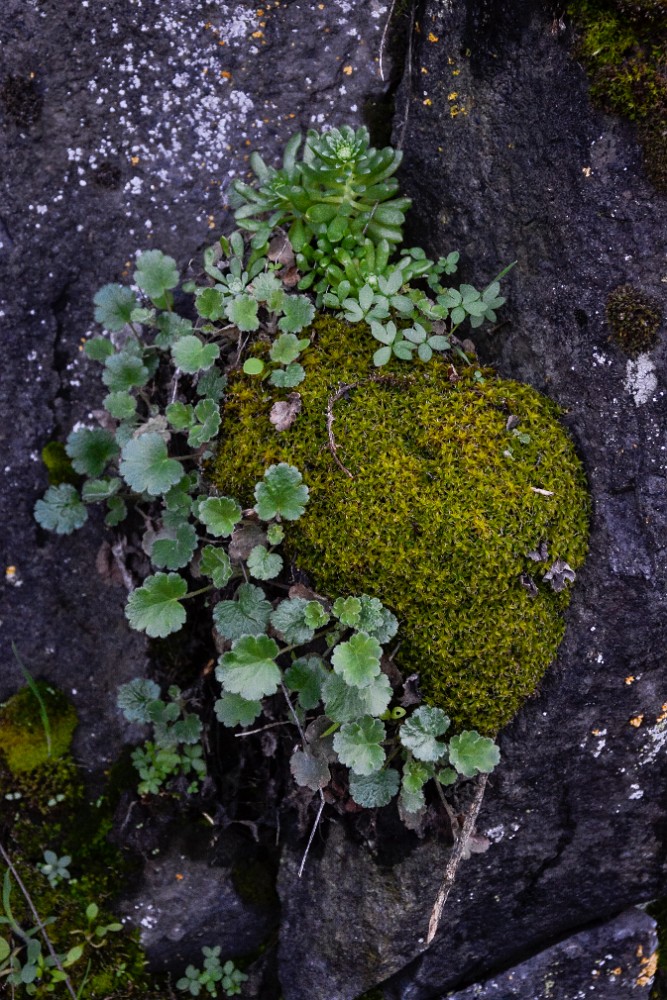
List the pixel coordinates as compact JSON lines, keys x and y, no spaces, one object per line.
{"x":439,"y":517}
{"x":634,"y":319}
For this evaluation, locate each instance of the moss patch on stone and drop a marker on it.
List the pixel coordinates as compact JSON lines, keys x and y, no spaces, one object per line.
{"x":439,"y":517}
{"x":634,"y":319}
{"x":23,"y":739}
{"x":623,"y":47}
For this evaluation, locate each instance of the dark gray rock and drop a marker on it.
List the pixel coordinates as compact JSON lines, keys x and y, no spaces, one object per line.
{"x":204,"y":889}
{"x":614,"y":961}
{"x":505,"y":160}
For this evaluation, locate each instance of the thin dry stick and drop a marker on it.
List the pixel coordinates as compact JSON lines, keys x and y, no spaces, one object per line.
{"x":384,"y":39}
{"x":455,"y":859}
{"x":304,"y":743}
{"x":408,"y":74}
{"x":38,"y":922}
{"x":330,"y":419}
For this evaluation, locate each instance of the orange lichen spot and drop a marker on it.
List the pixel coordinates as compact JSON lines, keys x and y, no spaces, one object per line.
{"x":247,"y":142}
{"x":134,"y":160}
{"x":211,"y":221}
{"x":258,"y":34}
{"x":291,"y":115}
{"x":455,"y":72}
{"x":179,"y":877}
{"x":226,"y":74}
{"x":320,"y":6}
{"x":260,"y":12}
{"x":10,"y":572}
{"x":648,"y":970}
{"x":432,"y":37}
{"x":587,"y":171}
{"x":637,"y":721}
{"x":452,"y":96}
{"x":629,"y":680}
{"x":428,"y":102}
{"x":596,"y":732}
{"x":207,"y":26}
{"x":424,"y":70}
{"x":223,"y":42}
{"x":617,"y":971}
{"x":31,"y":76}
{"x":347,"y":70}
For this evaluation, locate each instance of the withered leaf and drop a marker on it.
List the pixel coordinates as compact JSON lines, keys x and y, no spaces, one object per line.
{"x":245,"y":537}
{"x":528,"y":584}
{"x":540,"y":554}
{"x":284,"y":413}
{"x":281,"y":252}
{"x":559,"y":575}
{"x":512,"y":422}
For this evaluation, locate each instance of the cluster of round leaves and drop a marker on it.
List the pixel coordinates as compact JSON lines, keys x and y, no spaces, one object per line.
{"x":227,"y":977}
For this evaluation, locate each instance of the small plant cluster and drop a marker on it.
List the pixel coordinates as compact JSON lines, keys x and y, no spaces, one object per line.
{"x":340,"y":208}
{"x":25,"y":960}
{"x":634,"y":319}
{"x":175,"y":749}
{"x":214,"y":974}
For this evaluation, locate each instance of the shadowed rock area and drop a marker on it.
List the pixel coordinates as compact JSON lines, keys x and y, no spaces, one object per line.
{"x":122,"y":126}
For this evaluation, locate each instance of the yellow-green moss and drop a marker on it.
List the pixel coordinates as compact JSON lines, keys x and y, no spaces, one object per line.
{"x":59,"y":464}
{"x":438,"y":519}
{"x":623,"y":47}
{"x":23,"y":740}
{"x":634,"y":319}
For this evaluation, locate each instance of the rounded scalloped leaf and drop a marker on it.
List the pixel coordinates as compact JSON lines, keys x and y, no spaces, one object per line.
{"x":192,"y":355}
{"x":419,"y":733}
{"x":373,"y":791}
{"x":219,"y":515}
{"x":264,"y":565}
{"x":174,"y":550}
{"x":345,"y":704}
{"x":233,"y":710}
{"x":146,"y":467}
{"x":248,"y":614}
{"x":91,"y":450}
{"x":358,"y":660}
{"x":113,"y":307}
{"x":358,"y":745}
{"x":216,"y":564}
{"x":61,"y":510}
{"x":155,"y":608}
{"x":250,"y":669}
{"x":281,"y":493}
{"x":309,"y":770}
{"x":471,"y":753}
{"x":156,"y":273}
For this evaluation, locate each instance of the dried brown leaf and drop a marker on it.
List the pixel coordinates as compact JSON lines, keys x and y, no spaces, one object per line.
{"x":284,"y":413}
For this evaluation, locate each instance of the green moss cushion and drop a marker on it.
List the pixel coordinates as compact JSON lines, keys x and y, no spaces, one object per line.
{"x":438,"y":518}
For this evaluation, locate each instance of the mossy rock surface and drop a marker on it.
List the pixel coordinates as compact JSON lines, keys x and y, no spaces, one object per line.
{"x":23,"y":738}
{"x":438,"y":517}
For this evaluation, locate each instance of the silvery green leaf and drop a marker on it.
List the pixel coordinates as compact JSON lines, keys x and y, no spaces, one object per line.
{"x":181,"y":416}
{"x":133,"y":698}
{"x":98,"y":349}
{"x":113,"y":307}
{"x":306,"y":676}
{"x":219,"y":515}
{"x":298,"y":312}
{"x":215,"y":563}
{"x":419,"y":733}
{"x":191,"y":355}
{"x":242,"y":312}
{"x":155,"y":608}
{"x":289,"y":620}
{"x":61,"y":510}
{"x":170,"y":328}
{"x":124,"y":371}
{"x":99,"y":489}
{"x":146,"y":467}
{"x":347,"y":610}
{"x":286,"y":348}
{"x":233,"y":710}
{"x":374,"y":790}
{"x":156,"y":273}
{"x":345,"y":704}
{"x":288,"y":378}
{"x":264,"y":565}
{"x":416,"y":774}
{"x":117,"y":511}
{"x":358,"y":660}
{"x":174,"y":550}
{"x":121,"y":405}
{"x":411,"y":802}
{"x":281,"y":493}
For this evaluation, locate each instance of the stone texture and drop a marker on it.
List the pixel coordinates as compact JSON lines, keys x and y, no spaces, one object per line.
{"x":614,"y":961}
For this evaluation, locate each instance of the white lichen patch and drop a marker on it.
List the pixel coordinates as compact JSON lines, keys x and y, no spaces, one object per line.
{"x":636,"y":792}
{"x":655,"y":739}
{"x":640,"y":378}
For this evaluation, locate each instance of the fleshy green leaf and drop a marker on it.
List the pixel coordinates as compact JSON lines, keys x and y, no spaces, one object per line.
{"x":358,"y":745}
{"x":420,"y":731}
{"x":215,"y":564}
{"x":155,"y":608}
{"x":219,"y":515}
{"x":376,"y":620}
{"x":156,"y":273}
{"x":191,"y":355}
{"x":287,"y":378}
{"x":233,"y":710}
{"x":289,"y":620}
{"x":249,"y":669}
{"x":298,"y":312}
{"x":146,"y":467}
{"x":61,"y":510}
{"x":124,"y":371}
{"x":281,"y":493}
{"x":411,"y":802}
{"x":471,"y":753}
{"x":374,"y":790}
{"x":264,"y":565}
{"x":248,"y":614}
{"x":208,"y":415}
{"x":91,"y":450}
{"x":416,"y":774}
{"x":253,"y":366}
{"x":447,"y":776}
{"x":315,"y":615}
{"x":358,"y":660}
{"x":173,"y":550}
{"x":309,"y":770}
{"x":242,"y":312}
{"x":305,"y":676}
{"x":113,"y":307}
{"x":275,"y":534}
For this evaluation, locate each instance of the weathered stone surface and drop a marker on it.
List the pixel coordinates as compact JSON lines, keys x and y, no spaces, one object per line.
{"x":506,"y":160}
{"x":614,"y":960}
{"x":122,"y":126}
